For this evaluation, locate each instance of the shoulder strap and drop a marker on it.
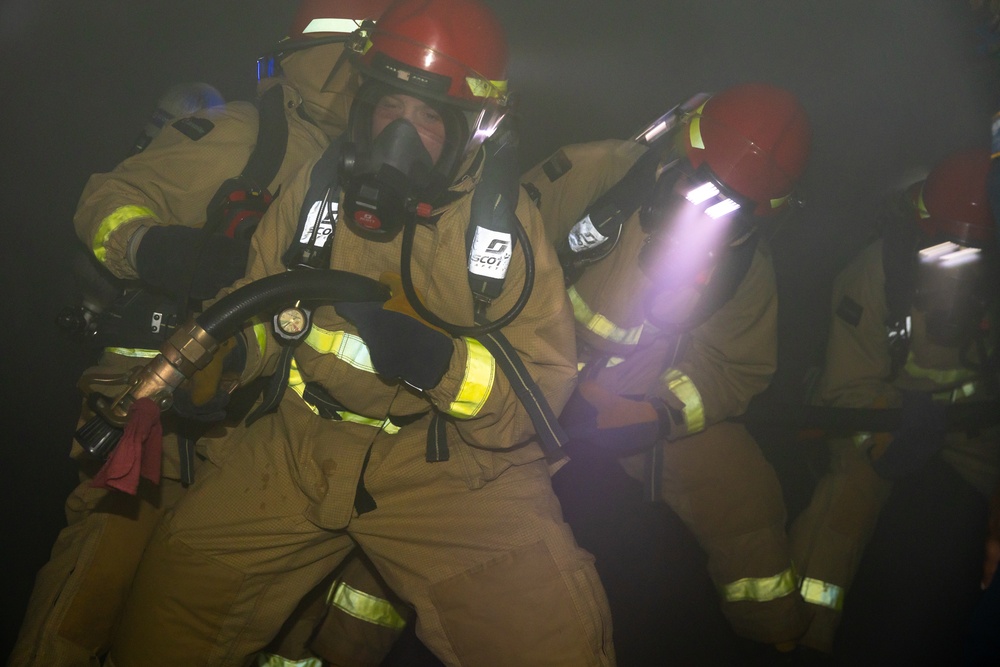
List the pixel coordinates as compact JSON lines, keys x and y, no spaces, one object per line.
{"x":263,"y":164}
{"x":597,"y":232}
{"x":313,"y":238}
{"x":272,"y":141}
{"x":489,"y":238}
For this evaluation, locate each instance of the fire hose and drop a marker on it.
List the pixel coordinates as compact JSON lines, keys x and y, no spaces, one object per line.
{"x":193,"y":345}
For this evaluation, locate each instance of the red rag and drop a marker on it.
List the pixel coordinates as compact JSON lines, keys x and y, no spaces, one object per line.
{"x":138,"y":452}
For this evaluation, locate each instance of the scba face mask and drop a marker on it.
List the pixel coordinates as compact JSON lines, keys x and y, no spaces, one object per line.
{"x":390,"y":184}
{"x":400,"y":158}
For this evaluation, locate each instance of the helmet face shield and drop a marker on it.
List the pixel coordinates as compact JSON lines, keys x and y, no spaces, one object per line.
{"x":375,"y":128}
{"x":481,"y":101}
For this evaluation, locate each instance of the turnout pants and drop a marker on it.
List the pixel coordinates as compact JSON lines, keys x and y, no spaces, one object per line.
{"x":829,"y":537}
{"x":494,"y":574}
{"x":721,"y":486}
{"x":79,"y":593}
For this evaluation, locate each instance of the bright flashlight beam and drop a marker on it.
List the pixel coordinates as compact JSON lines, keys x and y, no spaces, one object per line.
{"x":724,"y":207}
{"x":960,"y":256}
{"x":702,"y":193}
{"x":939,"y":250}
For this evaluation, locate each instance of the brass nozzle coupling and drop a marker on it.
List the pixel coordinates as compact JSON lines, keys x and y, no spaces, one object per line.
{"x":188,"y":350}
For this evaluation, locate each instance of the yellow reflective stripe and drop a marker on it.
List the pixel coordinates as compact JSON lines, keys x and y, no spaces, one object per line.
{"x":365,"y":607}
{"x":921,"y":206}
{"x":761,"y":589}
{"x":694,"y":128}
{"x":135,"y":352}
{"x":298,"y":385}
{"x":683,"y":388}
{"x":355,"y":418}
{"x":599,"y":324}
{"x":118,"y":218}
{"x":486,"y":88}
{"x":951,"y":376}
{"x":346,"y":347}
{"x":260,"y":332}
{"x":480,"y":371}
{"x":272,"y":660}
{"x":779,"y":202}
{"x":822,"y":593}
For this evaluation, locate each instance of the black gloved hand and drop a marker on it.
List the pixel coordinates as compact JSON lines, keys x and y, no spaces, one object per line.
{"x":400,"y":346}
{"x":615,"y":424}
{"x":166,"y":256}
{"x":922,"y":428}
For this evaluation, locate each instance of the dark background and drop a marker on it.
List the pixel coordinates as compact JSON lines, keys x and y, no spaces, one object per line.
{"x":890,"y":86}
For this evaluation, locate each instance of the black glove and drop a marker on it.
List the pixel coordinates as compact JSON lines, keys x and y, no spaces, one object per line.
{"x":615,"y":424}
{"x":166,"y":256}
{"x":922,"y":428}
{"x":400,"y":346}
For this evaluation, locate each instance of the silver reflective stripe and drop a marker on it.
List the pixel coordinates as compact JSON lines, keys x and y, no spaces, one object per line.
{"x":822,"y":593}
{"x":271,"y":660}
{"x":345,"y":346}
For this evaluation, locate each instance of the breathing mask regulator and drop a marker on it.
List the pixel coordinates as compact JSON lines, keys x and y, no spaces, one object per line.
{"x":389,"y":185}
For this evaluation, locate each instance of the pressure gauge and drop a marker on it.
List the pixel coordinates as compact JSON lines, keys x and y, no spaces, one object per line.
{"x":292,"y":323}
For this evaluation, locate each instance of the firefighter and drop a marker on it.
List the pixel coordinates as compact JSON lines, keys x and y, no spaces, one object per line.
{"x":473,"y":539}
{"x":912,"y":318}
{"x":675,"y":302}
{"x":139,"y":221}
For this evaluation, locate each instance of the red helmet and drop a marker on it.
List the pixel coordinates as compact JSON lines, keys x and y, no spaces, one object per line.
{"x":755,"y":139}
{"x":454,"y":51}
{"x":953,"y":202}
{"x":319,"y":22}
{"x":333,"y":17}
